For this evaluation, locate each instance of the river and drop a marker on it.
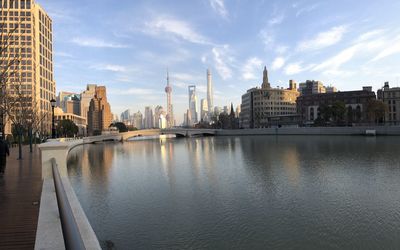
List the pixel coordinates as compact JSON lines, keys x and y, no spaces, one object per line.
{"x":250,"y":192}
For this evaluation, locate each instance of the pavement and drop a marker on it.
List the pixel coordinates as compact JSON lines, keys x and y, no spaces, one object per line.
{"x":20,"y":191}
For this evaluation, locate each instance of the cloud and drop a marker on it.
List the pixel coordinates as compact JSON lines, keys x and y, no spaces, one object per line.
{"x":335,"y":62}
{"x":361,"y":47}
{"x":297,"y":67}
{"x":221,"y":60}
{"x":281,"y":49}
{"x":134,"y":91}
{"x":268,"y":38}
{"x":276,"y":19}
{"x":62,"y":54}
{"x":251,"y":68}
{"x":306,"y":9}
{"x":278,"y":63}
{"x":185,"y":77}
{"x":109,"y":67}
{"x":393,"y":48}
{"x":323,"y":39}
{"x":96,"y":43}
{"x":219,"y":7}
{"x":370,"y":34}
{"x":162,"y":26}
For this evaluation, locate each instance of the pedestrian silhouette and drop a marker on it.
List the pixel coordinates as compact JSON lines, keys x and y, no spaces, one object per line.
{"x":4,"y":151}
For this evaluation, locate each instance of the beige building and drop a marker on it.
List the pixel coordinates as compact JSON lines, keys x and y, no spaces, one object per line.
{"x":99,"y":115}
{"x":262,"y":107}
{"x":391,"y":97}
{"x":31,"y":42}
{"x":86,"y":97}
{"x":77,"y":119}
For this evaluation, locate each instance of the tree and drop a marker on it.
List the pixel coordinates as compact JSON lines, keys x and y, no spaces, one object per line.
{"x":376,"y":110}
{"x":120,"y":126}
{"x":67,"y":128}
{"x":338,"y":112}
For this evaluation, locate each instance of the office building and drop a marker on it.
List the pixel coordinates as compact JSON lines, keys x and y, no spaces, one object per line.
{"x":32,"y":44}
{"x":356,"y":103}
{"x":69,"y":102}
{"x":266,"y":106}
{"x":148,"y":117}
{"x":86,"y":97}
{"x":391,"y":97}
{"x":138,"y":120}
{"x":311,"y":87}
{"x":158,"y":112}
{"x":210,"y":93}
{"x":204,"y":116}
{"x":126,"y":117}
{"x":78,"y":120}
{"x":99,"y":114}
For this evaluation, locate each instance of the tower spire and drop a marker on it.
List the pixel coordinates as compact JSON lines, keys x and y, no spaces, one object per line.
{"x":170,"y":112}
{"x":265,"y":83}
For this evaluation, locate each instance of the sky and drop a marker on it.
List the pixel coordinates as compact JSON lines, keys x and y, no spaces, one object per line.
{"x":128,"y":46}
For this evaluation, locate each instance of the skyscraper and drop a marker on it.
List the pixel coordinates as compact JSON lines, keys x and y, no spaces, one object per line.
{"x":27,"y":57}
{"x":210,"y":93}
{"x":204,"y":110}
{"x":86,"y":97}
{"x":193,"y":103}
{"x":170,"y":112}
{"x":158,"y":112}
{"x":99,"y":114}
{"x":138,"y":120}
{"x":148,"y":117}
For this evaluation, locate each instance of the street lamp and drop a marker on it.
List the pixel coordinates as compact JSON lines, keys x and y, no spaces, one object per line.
{"x":53,"y":128}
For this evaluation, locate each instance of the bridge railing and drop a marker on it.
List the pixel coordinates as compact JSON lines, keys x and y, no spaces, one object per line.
{"x":72,"y":237}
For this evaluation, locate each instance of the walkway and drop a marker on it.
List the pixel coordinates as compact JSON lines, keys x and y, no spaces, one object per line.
{"x":20,"y":190}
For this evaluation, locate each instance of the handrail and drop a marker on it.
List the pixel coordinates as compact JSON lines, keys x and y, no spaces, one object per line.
{"x":72,"y":237}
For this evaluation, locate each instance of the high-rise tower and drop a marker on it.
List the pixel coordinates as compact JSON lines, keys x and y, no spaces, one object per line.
{"x":193,"y":104}
{"x":26,"y":54}
{"x":210,"y":98}
{"x":170,"y":112}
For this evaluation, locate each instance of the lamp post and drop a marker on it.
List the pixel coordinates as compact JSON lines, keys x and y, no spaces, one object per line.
{"x":53,"y":128}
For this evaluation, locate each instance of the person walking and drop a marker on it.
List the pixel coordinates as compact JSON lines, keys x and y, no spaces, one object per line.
{"x":4,"y":151}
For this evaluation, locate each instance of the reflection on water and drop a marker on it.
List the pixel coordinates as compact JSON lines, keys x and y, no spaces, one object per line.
{"x":242,"y":192}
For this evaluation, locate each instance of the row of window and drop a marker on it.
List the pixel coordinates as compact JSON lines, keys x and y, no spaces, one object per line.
{"x":45,"y":42}
{"x":46,"y":84}
{"x":275,"y":108}
{"x":46,"y":74}
{"x":15,"y":13}
{"x":272,"y":113}
{"x":391,"y":94}
{"x":45,"y":20}
{"x":275,"y":103}
{"x":15,"y":4}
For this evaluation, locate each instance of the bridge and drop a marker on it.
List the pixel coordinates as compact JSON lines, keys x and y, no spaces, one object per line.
{"x":179,"y":132}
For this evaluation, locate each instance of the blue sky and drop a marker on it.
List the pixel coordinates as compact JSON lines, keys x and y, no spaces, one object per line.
{"x":128,"y":45}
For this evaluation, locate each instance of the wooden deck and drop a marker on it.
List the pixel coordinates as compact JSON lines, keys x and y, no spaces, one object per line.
{"x":20,"y":190}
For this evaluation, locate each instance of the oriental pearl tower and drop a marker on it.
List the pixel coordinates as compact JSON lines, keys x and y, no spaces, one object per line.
{"x":170,"y":112}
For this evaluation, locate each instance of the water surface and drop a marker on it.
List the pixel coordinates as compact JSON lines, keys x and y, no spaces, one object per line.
{"x":253,"y":192}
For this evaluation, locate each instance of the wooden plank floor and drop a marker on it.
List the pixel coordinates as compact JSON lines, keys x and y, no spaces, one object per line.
{"x":20,"y":190}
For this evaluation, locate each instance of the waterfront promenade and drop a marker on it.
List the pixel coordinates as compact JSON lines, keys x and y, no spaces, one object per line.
{"x":20,"y":191}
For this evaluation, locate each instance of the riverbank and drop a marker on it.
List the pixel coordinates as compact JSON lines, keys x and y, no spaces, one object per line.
{"x":365,"y":130}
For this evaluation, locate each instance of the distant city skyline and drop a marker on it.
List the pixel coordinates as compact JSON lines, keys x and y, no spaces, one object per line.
{"x":128,"y":49}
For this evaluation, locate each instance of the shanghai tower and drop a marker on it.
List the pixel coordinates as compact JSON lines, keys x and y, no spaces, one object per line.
{"x":210,"y":98}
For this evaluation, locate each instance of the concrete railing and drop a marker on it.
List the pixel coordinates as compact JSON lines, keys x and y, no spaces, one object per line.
{"x":366,"y":130}
{"x":49,"y":233}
